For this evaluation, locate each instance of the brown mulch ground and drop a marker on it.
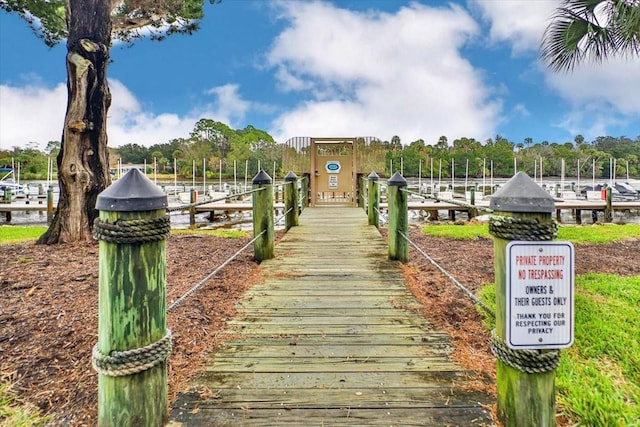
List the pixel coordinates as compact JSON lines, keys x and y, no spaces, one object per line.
{"x":49,"y":301}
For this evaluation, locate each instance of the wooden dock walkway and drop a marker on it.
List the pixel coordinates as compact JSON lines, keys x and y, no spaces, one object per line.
{"x":330,"y":339}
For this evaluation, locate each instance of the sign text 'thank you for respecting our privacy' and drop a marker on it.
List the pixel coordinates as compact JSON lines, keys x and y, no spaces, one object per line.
{"x":540,"y":295}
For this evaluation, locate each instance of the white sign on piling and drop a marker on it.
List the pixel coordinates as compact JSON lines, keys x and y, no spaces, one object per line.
{"x":540,"y":295}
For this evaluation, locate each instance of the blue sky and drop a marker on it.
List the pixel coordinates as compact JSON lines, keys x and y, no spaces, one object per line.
{"x":380,"y":68}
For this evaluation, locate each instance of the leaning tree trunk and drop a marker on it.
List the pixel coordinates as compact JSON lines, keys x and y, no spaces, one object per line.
{"x":83,"y":161}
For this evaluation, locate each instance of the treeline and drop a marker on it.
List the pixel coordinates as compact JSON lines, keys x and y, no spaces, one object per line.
{"x":502,"y":157}
{"x":209,"y":145}
{"x":212,"y":144}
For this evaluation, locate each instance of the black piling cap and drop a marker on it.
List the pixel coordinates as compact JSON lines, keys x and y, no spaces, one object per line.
{"x":133,"y":192}
{"x":291,"y":176}
{"x":261,"y":178}
{"x":373,"y":176}
{"x":397,"y":180}
{"x":522,"y":194}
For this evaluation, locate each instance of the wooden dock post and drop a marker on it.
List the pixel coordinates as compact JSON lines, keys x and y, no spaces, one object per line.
{"x":398,"y":218}
{"x":472,"y":211}
{"x":608,"y":210}
{"x":523,"y":211}
{"x":193,"y":196}
{"x":49,"y":205}
{"x":133,"y":340}
{"x":374,"y":199}
{"x":41,"y":194}
{"x":360,"y":190}
{"x":305,"y":190}
{"x":290,"y":200}
{"x":264,"y":246}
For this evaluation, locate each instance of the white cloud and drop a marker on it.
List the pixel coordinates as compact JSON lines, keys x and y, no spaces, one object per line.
{"x":35,"y":113}
{"x":374,"y":73}
{"x":601,"y":96}
{"x":230,"y":107}
{"x":31,"y":113}
{"x":519,"y":23}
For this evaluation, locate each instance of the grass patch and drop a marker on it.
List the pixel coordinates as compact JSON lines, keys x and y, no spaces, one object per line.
{"x":14,"y":414}
{"x":598,"y":380}
{"x":575,"y":234}
{"x":226,"y":233}
{"x":465,"y":232}
{"x":14,"y":234}
{"x":599,"y":233}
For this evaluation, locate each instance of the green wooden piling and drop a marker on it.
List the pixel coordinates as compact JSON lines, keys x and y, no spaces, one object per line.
{"x":374,"y":199}
{"x":49,"y":205}
{"x":608,"y":210}
{"x":472,"y":211}
{"x":398,"y":218}
{"x":132,"y":300}
{"x":524,"y":400}
{"x":291,"y":200}
{"x":264,"y":246}
{"x":305,"y":190}
{"x":192,"y":208}
{"x":360,"y":190}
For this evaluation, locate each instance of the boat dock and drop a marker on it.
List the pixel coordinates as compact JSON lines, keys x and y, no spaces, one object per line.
{"x":429,"y":208}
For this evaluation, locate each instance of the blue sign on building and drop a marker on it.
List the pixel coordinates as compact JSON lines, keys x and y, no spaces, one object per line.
{"x":333,"y":166}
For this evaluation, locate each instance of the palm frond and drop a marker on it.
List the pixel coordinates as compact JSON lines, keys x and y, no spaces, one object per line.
{"x":628,"y":20}
{"x":593,"y":30}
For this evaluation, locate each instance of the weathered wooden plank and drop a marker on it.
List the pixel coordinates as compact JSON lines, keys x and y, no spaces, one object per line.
{"x":325,"y":329}
{"x":324,"y":293}
{"x":318,"y":311}
{"x":430,"y":338}
{"x":285,"y":283}
{"x":330,"y":380}
{"x":337,"y":303}
{"x":240,"y":351}
{"x":422,"y":397}
{"x":322,"y":365}
{"x":362,"y":273}
{"x":329,"y":276}
{"x":345,"y":416}
{"x":248,"y":320}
